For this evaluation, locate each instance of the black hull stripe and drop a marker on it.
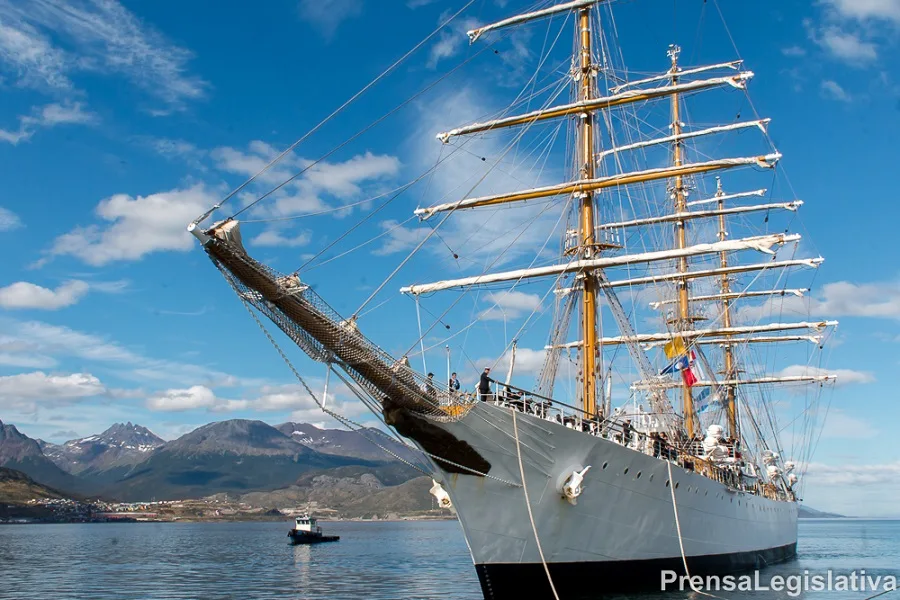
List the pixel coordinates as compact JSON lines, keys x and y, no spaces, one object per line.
{"x":588,"y":580}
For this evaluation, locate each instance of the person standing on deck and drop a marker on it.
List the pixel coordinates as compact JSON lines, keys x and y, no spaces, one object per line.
{"x":429,"y":385}
{"x":484,"y":384}
{"x":454,"y":383}
{"x":626,"y":432}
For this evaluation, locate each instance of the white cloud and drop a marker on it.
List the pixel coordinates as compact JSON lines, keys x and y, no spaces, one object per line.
{"x":846,"y":46}
{"x":861,"y":300}
{"x":117,"y":286}
{"x":177,"y":150}
{"x":398,"y":237}
{"x":57,"y":340}
{"x":447,"y":45}
{"x":451,"y":41}
{"x":51,"y":115}
{"x":250,"y":163}
{"x":176,"y":400}
{"x":484,"y":236}
{"x":30,"y":54}
{"x":838,"y":299}
{"x":509,"y":305}
{"x":38,"y":343}
{"x":841,"y":425}
{"x":23,"y":354}
{"x":327,"y":15}
{"x":137,"y":226}
{"x":310,"y":192}
{"x":793,"y":51}
{"x":273,"y":237}
{"x":833,"y":90}
{"x":528,"y":361}
{"x":25,"y":295}
{"x":844,"y":376}
{"x":284,"y":398}
{"x":855,"y":474}
{"x":291,"y":398}
{"x":26,"y":361}
{"x":343,"y":179}
{"x":103,"y":37}
{"x":9,"y":220}
{"x":24,"y":390}
{"x":867,"y":9}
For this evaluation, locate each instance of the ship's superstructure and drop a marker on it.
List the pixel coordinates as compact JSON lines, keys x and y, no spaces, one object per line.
{"x":574,"y":493}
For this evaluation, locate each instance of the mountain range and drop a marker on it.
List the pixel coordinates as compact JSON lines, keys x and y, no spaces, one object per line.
{"x":347,"y":443}
{"x":285,"y":466}
{"x":130,"y":463}
{"x":20,"y":452}
{"x":105,"y":456}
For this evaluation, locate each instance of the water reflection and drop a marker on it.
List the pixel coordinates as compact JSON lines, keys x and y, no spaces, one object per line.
{"x":378,"y":561}
{"x":302,"y":560}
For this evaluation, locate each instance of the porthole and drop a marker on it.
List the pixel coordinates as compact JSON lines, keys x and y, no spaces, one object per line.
{"x":677,"y":483}
{"x":651,"y":476}
{"x":638,"y":476}
{"x":667,"y":483}
{"x":625,"y":472}
{"x":606,"y":464}
{"x":706,"y":493}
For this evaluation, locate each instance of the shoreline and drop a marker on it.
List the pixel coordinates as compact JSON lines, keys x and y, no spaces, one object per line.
{"x":193,"y":519}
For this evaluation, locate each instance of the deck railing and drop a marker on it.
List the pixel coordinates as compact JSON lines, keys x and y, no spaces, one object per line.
{"x":687,"y":454}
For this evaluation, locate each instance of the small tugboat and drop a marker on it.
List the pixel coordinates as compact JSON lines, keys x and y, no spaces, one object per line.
{"x":306,"y":531}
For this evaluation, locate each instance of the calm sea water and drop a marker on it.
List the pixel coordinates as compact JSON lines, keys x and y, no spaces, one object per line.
{"x":378,"y":561}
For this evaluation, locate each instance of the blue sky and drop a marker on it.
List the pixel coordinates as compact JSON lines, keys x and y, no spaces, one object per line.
{"x":121,"y":122}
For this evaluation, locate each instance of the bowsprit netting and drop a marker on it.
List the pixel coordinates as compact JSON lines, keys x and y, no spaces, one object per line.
{"x":318,"y":329}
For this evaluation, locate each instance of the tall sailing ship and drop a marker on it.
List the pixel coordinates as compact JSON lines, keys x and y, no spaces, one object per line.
{"x":564,"y":488}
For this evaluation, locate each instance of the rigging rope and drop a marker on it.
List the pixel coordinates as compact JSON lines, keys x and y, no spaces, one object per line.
{"x":537,"y":539}
{"x":346,"y":422}
{"x":337,"y":111}
{"x":498,"y":161}
{"x":441,"y":222}
{"x":421,"y":337}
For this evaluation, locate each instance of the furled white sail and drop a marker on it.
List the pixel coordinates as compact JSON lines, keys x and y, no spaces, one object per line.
{"x":737,"y":341}
{"x":474,"y":34}
{"x":727,"y":197}
{"x":656,"y":385}
{"x":762,"y":243}
{"x":642,"y":338}
{"x":735,"y":64}
{"x":760,"y":123}
{"x":736,"y":295}
{"x":700,"y":214}
{"x":812,"y":263}
{"x":714,"y":341}
{"x":604,"y":102}
{"x":586,"y":185}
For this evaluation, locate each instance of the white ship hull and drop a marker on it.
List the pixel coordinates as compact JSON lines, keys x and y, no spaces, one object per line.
{"x":622,"y":532}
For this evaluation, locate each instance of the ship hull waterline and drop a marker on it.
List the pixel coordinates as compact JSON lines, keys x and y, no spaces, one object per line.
{"x":621,"y":534}
{"x":298,"y":539}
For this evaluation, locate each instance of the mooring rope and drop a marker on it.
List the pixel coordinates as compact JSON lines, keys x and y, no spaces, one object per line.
{"x":680,"y":540}
{"x":537,"y":539}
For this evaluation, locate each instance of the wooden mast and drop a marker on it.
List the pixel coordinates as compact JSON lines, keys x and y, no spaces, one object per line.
{"x":683,"y":320}
{"x":586,"y":221}
{"x":726,"y":321}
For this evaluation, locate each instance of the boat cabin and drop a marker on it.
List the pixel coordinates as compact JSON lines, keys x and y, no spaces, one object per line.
{"x":306,"y":524}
